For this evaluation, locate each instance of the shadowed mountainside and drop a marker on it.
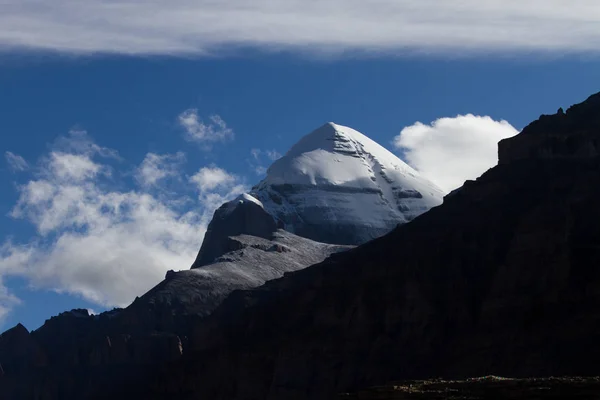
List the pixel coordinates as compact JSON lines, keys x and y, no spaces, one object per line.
{"x":501,"y":279}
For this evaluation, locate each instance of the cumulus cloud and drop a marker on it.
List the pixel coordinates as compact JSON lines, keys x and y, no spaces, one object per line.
{"x":157,"y":167}
{"x":452,"y":150}
{"x":75,"y":167}
{"x":203,"y":27}
{"x":16,"y":162}
{"x":215,"y":186}
{"x":209,"y":178}
{"x":215,"y":130}
{"x":100,"y":242}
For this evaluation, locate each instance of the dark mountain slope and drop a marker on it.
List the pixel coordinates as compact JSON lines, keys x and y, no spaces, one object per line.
{"x":503,"y":278}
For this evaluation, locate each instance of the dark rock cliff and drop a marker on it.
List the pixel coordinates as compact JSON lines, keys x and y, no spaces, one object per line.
{"x":77,"y":355}
{"x":241,"y":216}
{"x":502,"y":279}
{"x":574,"y":134}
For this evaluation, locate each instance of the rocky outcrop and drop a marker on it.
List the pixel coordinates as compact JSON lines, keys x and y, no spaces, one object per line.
{"x":19,"y":352}
{"x":573,"y":134}
{"x":77,"y":339}
{"x":84,"y":355}
{"x":246,"y":261}
{"x":244,"y":215}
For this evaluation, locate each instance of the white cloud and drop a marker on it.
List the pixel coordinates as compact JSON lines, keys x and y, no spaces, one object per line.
{"x":196,"y":130}
{"x":215,"y":186}
{"x":272,"y":155}
{"x":79,"y":142}
{"x":76,"y":167}
{"x":101,"y":243}
{"x":257,"y":158}
{"x":452,"y":150}
{"x":156,"y":167}
{"x":203,"y":27}
{"x":16,"y":162}
{"x":7,"y":301}
{"x":256,"y":154}
{"x":208,"y":178}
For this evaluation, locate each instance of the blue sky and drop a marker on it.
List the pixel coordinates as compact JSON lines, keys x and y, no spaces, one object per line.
{"x":168,"y":129}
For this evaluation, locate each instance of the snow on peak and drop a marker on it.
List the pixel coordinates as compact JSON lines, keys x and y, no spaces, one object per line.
{"x":339,"y":155}
{"x":242,"y":198}
{"x":245,"y":197}
{"x":338,"y":186}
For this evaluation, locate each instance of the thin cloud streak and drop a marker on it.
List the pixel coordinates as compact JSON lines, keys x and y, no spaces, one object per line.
{"x":16,"y":162}
{"x":205,"y":27}
{"x":198,"y":131}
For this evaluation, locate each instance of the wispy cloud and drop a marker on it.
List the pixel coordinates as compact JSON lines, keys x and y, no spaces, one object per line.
{"x":16,"y":162}
{"x":157,"y":167}
{"x":452,"y":150}
{"x":101,"y":242}
{"x":202,"y":27}
{"x":272,"y":154}
{"x":7,"y":300}
{"x":198,"y":131}
{"x":258,"y":156}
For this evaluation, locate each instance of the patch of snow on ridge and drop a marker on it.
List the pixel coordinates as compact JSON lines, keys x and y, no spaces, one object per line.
{"x":244,"y":197}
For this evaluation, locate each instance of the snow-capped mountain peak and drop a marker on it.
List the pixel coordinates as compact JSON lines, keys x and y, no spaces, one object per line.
{"x":336,"y":185}
{"x":338,"y":155}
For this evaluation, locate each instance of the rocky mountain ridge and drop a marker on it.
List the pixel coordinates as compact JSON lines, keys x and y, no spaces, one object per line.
{"x":243,"y":248}
{"x":501,"y":279}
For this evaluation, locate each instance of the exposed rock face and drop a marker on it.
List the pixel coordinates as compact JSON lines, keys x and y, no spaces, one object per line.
{"x":244,"y":215}
{"x":573,"y":134}
{"x":19,"y":351}
{"x":86,"y":355}
{"x":501,"y":279}
{"x":243,"y":262}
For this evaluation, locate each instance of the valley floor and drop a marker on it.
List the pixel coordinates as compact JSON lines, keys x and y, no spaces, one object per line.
{"x":490,"y":387}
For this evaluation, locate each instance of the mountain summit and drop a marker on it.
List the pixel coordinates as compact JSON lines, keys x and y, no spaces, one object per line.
{"x":338,"y":186}
{"x":501,"y":279}
{"x":334,"y":186}
{"x":333,"y":189}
